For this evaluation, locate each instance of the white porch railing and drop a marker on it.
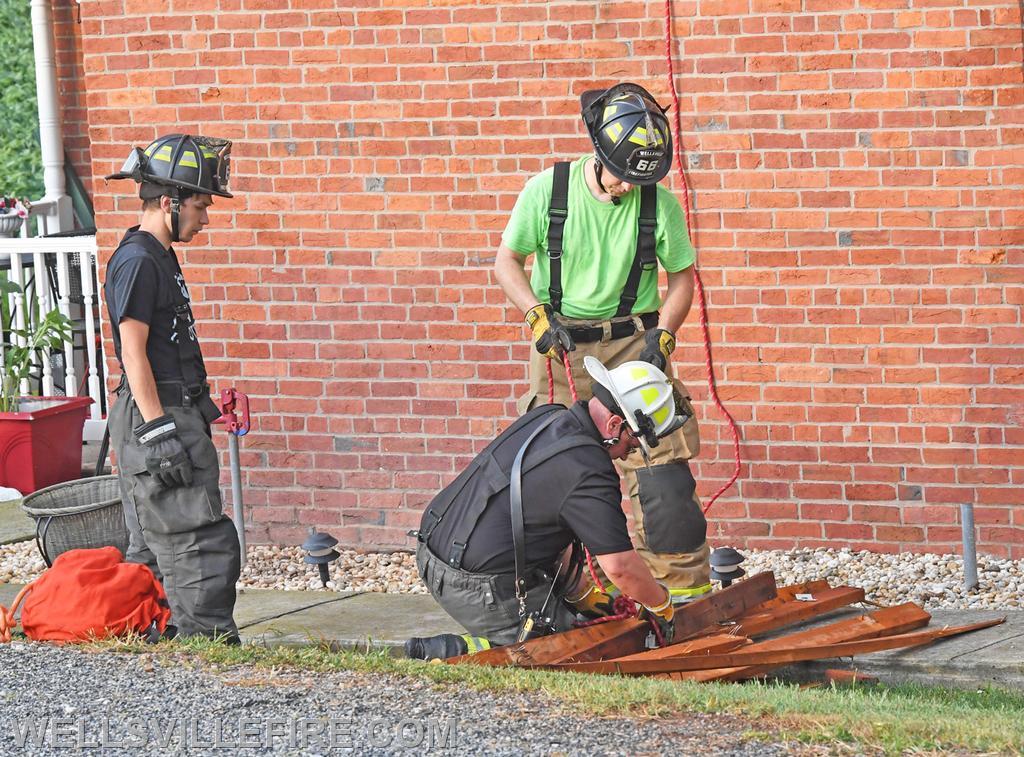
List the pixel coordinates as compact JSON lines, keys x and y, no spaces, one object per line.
{"x":62,"y":273}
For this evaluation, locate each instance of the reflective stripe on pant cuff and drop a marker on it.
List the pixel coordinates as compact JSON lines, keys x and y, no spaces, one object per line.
{"x":476,"y":643}
{"x":690,"y":593}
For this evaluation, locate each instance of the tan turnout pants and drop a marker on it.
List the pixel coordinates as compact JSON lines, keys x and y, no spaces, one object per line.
{"x":685,"y":573}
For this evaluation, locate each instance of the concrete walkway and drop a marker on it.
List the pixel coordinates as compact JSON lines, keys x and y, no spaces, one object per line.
{"x":384,"y":621}
{"x":14,"y":524}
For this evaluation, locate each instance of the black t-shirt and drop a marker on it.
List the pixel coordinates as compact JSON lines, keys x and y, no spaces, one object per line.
{"x":574,"y":493}
{"x":137,"y":287}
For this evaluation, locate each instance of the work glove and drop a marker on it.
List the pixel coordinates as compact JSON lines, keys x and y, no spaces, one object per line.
{"x":658,"y":345}
{"x":166,"y":458}
{"x":662,"y":616}
{"x":550,"y":336}
{"x":593,"y":603}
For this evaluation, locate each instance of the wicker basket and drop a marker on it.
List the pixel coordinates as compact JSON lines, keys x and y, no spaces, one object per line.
{"x":84,"y":514}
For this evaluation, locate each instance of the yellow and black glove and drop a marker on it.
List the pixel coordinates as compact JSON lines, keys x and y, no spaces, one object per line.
{"x":592,"y":603}
{"x":550,"y":336}
{"x":663,"y":616}
{"x":658,"y":345}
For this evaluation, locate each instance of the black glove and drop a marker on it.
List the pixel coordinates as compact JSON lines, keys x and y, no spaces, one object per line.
{"x":658,"y":345}
{"x":664,"y":617}
{"x":550,"y":336}
{"x":166,"y":458}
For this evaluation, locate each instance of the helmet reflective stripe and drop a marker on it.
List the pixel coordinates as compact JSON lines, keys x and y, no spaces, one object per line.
{"x":640,"y":137}
{"x":614,"y":132}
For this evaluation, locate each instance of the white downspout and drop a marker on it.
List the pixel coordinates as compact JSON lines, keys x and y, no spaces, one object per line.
{"x":57,"y":213}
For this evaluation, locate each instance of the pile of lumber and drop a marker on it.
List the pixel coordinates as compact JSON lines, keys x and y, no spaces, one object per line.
{"x":720,"y":637}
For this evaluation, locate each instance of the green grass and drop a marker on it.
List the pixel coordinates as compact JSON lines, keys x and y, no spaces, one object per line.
{"x":892,"y":720}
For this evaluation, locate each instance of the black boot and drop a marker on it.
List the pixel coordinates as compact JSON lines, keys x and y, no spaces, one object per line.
{"x":441,"y":647}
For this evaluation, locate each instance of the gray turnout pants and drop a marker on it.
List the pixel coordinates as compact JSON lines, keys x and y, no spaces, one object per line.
{"x":484,"y":604}
{"x":181,"y":533}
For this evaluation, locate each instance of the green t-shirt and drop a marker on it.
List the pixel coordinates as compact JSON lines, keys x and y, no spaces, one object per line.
{"x":598,"y":242}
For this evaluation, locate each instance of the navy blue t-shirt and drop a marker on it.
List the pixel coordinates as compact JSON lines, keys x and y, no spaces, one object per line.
{"x":137,"y":288}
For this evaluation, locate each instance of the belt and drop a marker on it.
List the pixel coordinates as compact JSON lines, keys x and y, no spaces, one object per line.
{"x":505,"y":583}
{"x":176,"y":394}
{"x":619,"y":330}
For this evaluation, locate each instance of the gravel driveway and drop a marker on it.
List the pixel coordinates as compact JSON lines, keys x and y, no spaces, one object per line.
{"x":109,"y":703}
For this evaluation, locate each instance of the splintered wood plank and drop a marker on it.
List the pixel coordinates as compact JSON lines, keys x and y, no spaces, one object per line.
{"x":786,"y":594}
{"x":625,"y":643}
{"x":883,"y":622}
{"x":701,"y":616}
{"x":612,"y":639}
{"x":703,"y":645}
{"x":795,"y":611}
{"x":618,"y":638}
{"x":779,"y":656}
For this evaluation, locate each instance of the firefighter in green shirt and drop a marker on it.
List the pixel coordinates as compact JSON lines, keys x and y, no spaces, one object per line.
{"x":598,"y":230}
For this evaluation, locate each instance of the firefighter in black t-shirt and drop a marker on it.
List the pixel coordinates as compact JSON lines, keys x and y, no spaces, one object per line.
{"x":569,"y":492}
{"x":160,"y":421}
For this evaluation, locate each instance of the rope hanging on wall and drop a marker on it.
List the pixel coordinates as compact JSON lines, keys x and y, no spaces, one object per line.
{"x":701,"y":299}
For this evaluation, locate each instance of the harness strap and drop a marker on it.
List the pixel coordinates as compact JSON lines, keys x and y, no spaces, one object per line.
{"x":515,"y":494}
{"x":558,"y":210}
{"x":516,"y":499}
{"x":499,"y":480}
{"x":645,"y":258}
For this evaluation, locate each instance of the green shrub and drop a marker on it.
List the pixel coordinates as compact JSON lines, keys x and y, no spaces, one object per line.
{"x":21,"y":169}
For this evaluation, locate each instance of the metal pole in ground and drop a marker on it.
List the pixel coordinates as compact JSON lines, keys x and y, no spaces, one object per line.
{"x":234,"y":408}
{"x":970,"y":548}
{"x":238,"y":510}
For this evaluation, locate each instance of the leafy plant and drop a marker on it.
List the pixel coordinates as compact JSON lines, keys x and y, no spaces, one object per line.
{"x":21,"y":170}
{"x":45,"y":333}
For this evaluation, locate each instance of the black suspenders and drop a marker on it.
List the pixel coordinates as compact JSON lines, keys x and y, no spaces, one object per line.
{"x":646,"y":245}
{"x":557,"y":213}
{"x":645,"y":258}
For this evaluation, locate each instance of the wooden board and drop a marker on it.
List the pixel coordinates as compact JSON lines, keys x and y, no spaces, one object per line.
{"x":700,"y":617}
{"x":796,"y":610}
{"x":615,"y":638}
{"x":884,"y":622}
{"x":704,"y":645}
{"x":618,"y":638}
{"x":779,"y":656}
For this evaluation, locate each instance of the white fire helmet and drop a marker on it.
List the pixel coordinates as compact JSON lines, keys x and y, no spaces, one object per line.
{"x":644,"y":394}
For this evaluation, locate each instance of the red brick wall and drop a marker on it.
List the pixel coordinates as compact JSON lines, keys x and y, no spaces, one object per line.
{"x":857,"y":167}
{"x":71,"y":87}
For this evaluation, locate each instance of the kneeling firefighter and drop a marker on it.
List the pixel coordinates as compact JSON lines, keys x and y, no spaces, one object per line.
{"x":500,"y":548}
{"x":160,"y":422}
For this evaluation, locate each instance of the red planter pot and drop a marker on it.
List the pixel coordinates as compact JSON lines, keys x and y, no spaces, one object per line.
{"x":41,"y":444}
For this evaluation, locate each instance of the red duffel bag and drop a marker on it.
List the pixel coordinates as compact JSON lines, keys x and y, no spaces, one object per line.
{"x":89,"y":594}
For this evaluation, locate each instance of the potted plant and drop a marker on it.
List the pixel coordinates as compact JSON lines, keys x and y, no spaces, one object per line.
{"x":13,"y":213}
{"x":40,"y":437}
